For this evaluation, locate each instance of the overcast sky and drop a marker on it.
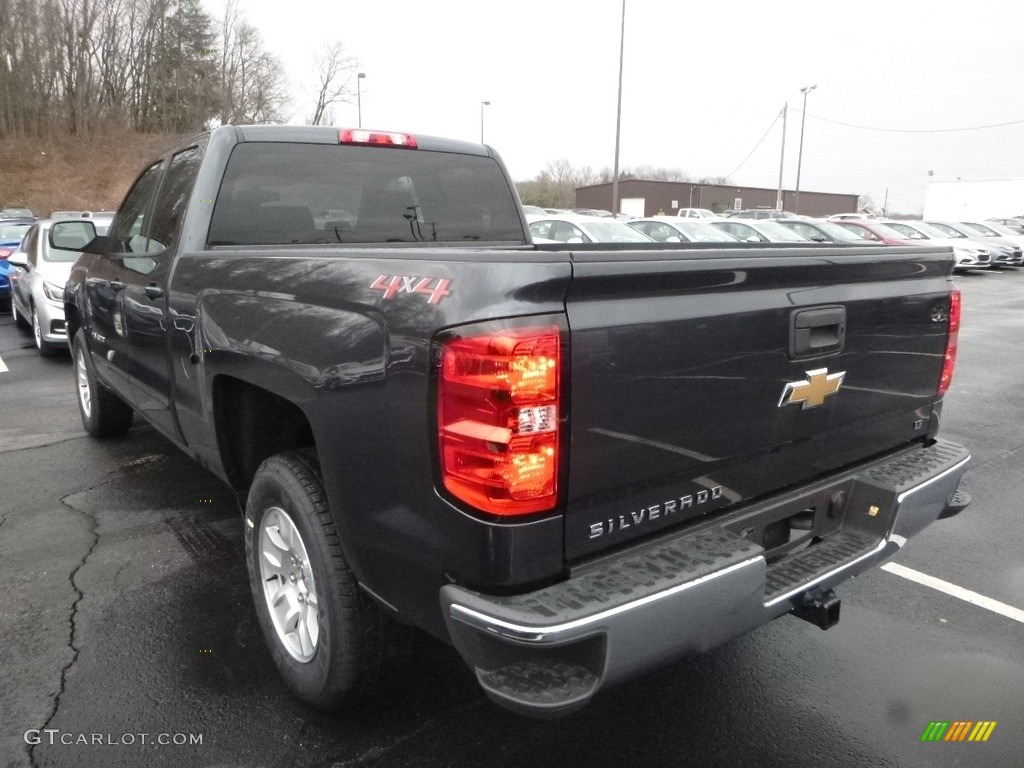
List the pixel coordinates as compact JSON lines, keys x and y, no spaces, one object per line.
{"x":702,"y":83}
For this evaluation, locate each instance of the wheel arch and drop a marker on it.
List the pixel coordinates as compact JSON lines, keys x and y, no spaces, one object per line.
{"x":252,"y":424}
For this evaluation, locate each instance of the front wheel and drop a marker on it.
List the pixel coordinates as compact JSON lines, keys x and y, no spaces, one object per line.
{"x":46,"y":348}
{"x":329,"y":640}
{"x":103,"y":413}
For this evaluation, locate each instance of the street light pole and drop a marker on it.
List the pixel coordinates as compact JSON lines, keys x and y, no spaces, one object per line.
{"x":359,"y":96}
{"x":782,"y":157}
{"x":618,"y":116}
{"x":482,"y":105}
{"x":800,"y":153}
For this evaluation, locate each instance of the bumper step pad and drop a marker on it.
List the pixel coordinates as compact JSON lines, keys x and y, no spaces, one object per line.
{"x":802,"y":567}
{"x":539,"y":683}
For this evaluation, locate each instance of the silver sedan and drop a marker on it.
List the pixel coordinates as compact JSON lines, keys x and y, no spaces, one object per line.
{"x":585,"y":229}
{"x":38,"y":275}
{"x":667,"y":229}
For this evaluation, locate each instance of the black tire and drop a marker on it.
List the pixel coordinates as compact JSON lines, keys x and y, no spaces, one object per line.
{"x":356,"y":644}
{"x":46,"y":348}
{"x":19,"y":321}
{"x":103,"y":413}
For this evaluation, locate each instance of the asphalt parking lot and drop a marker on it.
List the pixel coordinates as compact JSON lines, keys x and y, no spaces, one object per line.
{"x":127,"y":636}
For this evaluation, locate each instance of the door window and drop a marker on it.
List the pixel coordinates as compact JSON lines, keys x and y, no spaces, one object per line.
{"x":565,"y":232}
{"x":131,"y":225}
{"x":172,"y":201}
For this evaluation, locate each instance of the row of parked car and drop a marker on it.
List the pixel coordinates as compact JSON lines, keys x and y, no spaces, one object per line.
{"x":975,"y":244}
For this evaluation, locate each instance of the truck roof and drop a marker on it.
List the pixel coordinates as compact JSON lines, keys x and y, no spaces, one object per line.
{"x":321,"y":134}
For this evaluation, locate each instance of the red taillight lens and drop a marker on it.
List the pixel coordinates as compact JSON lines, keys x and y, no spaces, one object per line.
{"x":376,"y":138}
{"x":498,"y":411}
{"x":949,"y":359}
{"x":6,"y":252}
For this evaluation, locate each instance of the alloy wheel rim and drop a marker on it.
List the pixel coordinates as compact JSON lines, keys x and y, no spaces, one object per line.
{"x":84,"y":393}
{"x":288,"y":586}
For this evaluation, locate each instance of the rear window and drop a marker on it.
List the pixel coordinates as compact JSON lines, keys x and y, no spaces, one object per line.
{"x":277,"y":194}
{"x":12,"y":232}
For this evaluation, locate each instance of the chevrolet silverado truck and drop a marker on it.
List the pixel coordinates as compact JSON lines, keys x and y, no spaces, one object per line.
{"x":574,"y":463}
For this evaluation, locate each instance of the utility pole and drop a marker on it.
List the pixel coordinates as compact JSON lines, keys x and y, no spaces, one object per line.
{"x":782,"y":157}
{"x":800,"y":154}
{"x":482,"y":105}
{"x":359,"y":96}
{"x":618,"y":116}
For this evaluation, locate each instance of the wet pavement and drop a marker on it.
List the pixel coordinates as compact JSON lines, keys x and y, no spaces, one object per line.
{"x":126,"y":620}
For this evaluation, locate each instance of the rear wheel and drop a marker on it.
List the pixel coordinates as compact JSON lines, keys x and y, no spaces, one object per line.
{"x":329,"y":640}
{"x":103,"y":413}
{"x":46,"y":348}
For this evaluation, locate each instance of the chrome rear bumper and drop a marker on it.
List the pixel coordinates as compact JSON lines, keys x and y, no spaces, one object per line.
{"x":547,"y":652}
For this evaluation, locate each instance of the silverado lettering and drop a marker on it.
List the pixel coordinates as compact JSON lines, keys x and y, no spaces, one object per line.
{"x":655,"y":512}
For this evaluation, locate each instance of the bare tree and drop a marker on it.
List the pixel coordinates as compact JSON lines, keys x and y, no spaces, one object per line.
{"x":88,"y":66}
{"x":865,"y":204}
{"x":335,"y":70}
{"x":252,"y":82}
{"x":75,"y":19}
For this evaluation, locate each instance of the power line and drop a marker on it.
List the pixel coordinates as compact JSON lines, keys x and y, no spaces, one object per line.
{"x":916,"y":130}
{"x":759,"y":143}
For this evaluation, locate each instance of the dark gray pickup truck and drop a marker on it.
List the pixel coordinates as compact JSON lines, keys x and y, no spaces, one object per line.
{"x":574,"y":463}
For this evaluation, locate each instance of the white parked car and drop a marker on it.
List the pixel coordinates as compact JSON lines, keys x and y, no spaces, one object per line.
{"x":1004,"y":251}
{"x":585,"y":229}
{"x":997,"y":230}
{"x":759,"y":231}
{"x":968,"y":254}
{"x":534,"y":212}
{"x":854,"y":216}
{"x":38,"y":275}
{"x":668,"y":229}
{"x":696,"y":213}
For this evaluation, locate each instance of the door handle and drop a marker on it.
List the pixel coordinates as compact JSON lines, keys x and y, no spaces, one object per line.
{"x":818,"y":331}
{"x":154,"y":291}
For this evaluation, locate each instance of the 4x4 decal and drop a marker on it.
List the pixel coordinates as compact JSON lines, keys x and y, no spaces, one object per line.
{"x":436,"y":288}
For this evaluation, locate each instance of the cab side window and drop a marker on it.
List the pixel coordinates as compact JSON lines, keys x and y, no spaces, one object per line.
{"x":172,"y":200}
{"x":131,"y":225}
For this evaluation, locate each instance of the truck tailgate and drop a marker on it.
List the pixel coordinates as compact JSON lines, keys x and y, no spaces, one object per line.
{"x":705,"y":379}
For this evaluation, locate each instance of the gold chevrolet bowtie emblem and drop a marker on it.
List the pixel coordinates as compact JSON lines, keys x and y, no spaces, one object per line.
{"x":813,"y":390}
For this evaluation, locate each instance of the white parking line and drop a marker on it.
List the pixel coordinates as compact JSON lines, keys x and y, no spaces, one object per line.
{"x":954,"y":591}
{"x":3,"y":368}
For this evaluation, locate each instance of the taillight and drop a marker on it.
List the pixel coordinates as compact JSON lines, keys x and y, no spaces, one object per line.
{"x":498,"y":412}
{"x":5,"y":253}
{"x":949,"y":359}
{"x":376,"y":138}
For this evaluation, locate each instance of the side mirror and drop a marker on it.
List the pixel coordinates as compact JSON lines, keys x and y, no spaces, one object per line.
{"x":72,"y":235}
{"x":574,"y":240}
{"x":673,"y":239}
{"x":18,"y":259}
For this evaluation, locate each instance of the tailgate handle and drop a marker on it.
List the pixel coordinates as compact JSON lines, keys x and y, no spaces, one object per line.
{"x":818,"y":331}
